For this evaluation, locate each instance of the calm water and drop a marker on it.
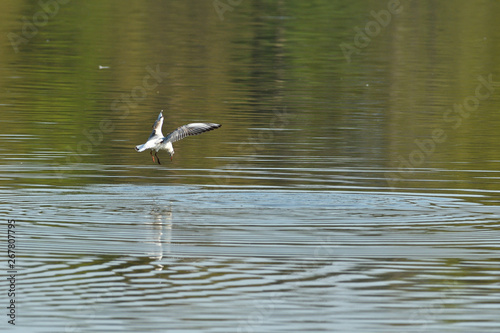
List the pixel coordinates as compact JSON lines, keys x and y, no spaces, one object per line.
{"x":353,"y":186}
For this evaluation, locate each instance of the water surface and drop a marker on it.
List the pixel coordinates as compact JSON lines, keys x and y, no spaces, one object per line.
{"x":350,"y":194}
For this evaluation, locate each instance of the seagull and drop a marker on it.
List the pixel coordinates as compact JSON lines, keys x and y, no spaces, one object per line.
{"x":157,"y":141}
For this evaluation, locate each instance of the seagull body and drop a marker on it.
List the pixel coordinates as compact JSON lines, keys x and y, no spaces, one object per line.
{"x":157,"y":141}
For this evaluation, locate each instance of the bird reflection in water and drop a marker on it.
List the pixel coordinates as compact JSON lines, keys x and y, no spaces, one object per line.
{"x":161,"y":222}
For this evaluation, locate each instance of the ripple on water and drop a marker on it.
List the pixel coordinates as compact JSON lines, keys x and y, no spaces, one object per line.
{"x":122,"y":257}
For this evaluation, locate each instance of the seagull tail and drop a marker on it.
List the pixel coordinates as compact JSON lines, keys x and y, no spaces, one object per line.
{"x":141,"y":148}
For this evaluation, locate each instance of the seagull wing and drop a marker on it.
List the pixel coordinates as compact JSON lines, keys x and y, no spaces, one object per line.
{"x":189,"y":129}
{"x":157,"y":127}
{"x":155,"y":137}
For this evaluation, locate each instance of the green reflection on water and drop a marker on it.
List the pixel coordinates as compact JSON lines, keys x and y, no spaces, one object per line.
{"x":263,"y":58}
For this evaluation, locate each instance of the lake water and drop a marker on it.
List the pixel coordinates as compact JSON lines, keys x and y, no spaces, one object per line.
{"x":353,"y":186}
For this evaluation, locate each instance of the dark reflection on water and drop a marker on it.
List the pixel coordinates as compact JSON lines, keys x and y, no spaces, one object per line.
{"x":357,"y":195}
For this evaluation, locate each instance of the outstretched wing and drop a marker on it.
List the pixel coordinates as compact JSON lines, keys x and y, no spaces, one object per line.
{"x":189,"y":129}
{"x":155,"y":137}
{"x":157,"y":127}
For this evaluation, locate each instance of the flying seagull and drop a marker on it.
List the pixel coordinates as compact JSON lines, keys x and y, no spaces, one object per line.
{"x":157,"y":141}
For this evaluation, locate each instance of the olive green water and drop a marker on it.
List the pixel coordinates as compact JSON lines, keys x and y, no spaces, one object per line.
{"x":352,"y":187}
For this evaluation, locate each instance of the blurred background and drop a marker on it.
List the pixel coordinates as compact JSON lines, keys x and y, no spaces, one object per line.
{"x":356,"y":169}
